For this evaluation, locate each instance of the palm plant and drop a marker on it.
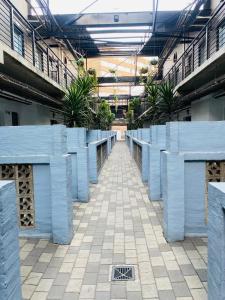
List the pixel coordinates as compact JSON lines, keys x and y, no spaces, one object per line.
{"x":152,"y":94}
{"x":78,"y":102}
{"x":168,"y":102}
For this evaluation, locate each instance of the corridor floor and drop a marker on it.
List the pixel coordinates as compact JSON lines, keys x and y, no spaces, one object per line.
{"x":118,"y":226}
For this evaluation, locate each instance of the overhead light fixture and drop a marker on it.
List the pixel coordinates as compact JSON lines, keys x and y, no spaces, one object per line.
{"x":116,"y":18}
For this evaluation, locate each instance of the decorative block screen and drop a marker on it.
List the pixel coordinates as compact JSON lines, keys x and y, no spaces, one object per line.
{"x":23,"y":175}
{"x":215,"y":172}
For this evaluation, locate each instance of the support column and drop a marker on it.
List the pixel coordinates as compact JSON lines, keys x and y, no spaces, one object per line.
{"x":10,"y":285}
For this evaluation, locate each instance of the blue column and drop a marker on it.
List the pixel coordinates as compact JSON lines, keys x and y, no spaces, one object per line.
{"x":216,"y":241}
{"x":10,"y":285}
{"x":62,"y":208}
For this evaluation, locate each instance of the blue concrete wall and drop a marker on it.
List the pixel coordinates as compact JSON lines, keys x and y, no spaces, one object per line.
{"x":106,"y":135}
{"x":190,"y":145}
{"x":76,"y":137}
{"x":94,"y":135}
{"x":158,"y":136}
{"x":92,"y":160}
{"x":157,"y":145}
{"x":216,"y":242}
{"x":145,"y":157}
{"x":10,"y":285}
{"x":173,"y":196}
{"x":195,"y":136}
{"x":146,"y":135}
{"x":32,"y":140}
{"x":76,"y":144}
{"x":194,"y":198}
{"x":61,"y":193}
{"x":44,"y":147}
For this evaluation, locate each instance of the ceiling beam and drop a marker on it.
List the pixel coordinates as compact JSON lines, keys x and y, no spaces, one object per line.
{"x":107,"y":19}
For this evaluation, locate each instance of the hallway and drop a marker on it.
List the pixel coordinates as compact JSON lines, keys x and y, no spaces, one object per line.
{"x":118,"y":226}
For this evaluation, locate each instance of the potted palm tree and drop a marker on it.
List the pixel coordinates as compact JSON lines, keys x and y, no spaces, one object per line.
{"x":78,"y":102}
{"x":168,"y":101}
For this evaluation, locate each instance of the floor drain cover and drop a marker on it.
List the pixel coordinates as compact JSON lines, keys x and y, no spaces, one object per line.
{"x":122,"y":273}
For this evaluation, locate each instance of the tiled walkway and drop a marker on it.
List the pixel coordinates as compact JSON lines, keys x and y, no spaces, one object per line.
{"x":118,"y":226}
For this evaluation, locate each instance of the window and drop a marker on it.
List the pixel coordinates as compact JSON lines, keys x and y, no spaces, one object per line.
{"x":15,"y":119}
{"x":202,"y":53}
{"x":221,"y":35}
{"x":39,"y":60}
{"x":18,"y":40}
{"x":175,"y":57}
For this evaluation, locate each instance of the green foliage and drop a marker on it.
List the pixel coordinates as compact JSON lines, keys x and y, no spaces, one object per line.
{"x":135,"y":105}
{"x":134,"y":110}
{"x":152,"y":95}
{"x":168,"y":102}
{"x":104,"y":117}
{"x":78,"y":102}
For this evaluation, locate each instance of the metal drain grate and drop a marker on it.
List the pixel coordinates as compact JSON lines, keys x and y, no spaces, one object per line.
{"x":122,"y":273}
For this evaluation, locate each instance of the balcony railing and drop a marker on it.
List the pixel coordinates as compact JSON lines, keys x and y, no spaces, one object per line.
{"x":18,"y":34}
{"x":210,"y":40}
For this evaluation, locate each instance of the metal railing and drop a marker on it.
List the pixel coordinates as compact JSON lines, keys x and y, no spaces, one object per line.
{"x":101,"y":155}
{"x":137,"y":154}
{"x":210,"y":40}
{"x":18,"y":34}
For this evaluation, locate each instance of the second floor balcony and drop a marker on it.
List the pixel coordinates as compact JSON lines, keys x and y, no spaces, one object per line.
{"x":23,"y":43}
{"x":204,"y":58}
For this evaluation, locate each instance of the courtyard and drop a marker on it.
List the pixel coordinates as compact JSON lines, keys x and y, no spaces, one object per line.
{"x":119,"y":226}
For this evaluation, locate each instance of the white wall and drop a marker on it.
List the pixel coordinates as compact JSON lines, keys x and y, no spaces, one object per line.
{"x":22,"y":6}
{"x":215,"y":3}
{"x":179,"y":49}
{"x":208,"y":109}
{"x":33,"y":114}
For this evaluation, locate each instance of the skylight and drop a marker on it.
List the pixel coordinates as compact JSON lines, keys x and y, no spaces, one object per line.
{"x":72,"y":6}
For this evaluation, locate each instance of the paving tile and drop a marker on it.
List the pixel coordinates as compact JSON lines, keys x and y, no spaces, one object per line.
{"x":87,"y":292}
{"x":56,"y":292}
{"x":159,"y":271}
{"x":27,"y":291}
{"x":39,"y":296}
{"x":134,"y":296}
{"x":118,"y":292}
{"x":102,"y":296}
{"x":193,"y":282}
{"x":166,"y":295}
{"x":90,"y":278}
{"x":163,"y":283}
{"x":44,"y":285}
{"x":118,"y":226}
{"x":181,"y":289}
{"x":62,"y":279}
{"x":199,"y":294}
{"x":70,"y":296}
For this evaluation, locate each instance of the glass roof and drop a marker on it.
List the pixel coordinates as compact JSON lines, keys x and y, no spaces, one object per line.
{"x":76,"y":6}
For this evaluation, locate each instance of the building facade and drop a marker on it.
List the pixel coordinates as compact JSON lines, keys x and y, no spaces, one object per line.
{"x":195,"y":65}
{"x":34,"y":72}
